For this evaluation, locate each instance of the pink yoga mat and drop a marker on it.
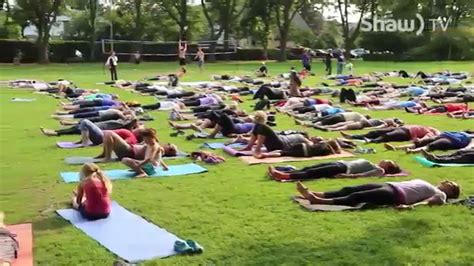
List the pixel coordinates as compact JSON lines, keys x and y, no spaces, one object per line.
{"x":24,"y":236}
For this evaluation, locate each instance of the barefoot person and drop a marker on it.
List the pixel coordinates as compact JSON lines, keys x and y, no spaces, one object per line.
{"x":182,"y":48}
{"x":322,"y":148}
{"x":200,"y":55}
{"x":401,"y":195}
{"x":354,"y":168}
{"x":444,"y":141}
{"x":92,"y":198}
{"x":153,"y":156}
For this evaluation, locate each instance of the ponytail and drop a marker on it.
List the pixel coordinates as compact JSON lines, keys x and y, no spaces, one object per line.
{"x":105,"y":180}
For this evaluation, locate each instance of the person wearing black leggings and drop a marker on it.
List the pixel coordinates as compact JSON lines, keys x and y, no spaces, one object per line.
{"x":402,"y":195}
{"x":461,"y":157}
{"x":382,"y":135}
{"x":347,"y":95}
{"x":270,"y":93}
{"x":105,"y":125}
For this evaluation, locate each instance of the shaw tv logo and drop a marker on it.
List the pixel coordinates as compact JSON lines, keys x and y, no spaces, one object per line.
{"x":403,"y":25}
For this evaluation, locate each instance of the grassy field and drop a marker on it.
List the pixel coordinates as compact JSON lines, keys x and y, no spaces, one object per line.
{"x":234,"y":211}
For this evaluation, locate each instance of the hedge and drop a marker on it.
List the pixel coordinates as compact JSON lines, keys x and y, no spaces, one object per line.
{"x":64,"y":51}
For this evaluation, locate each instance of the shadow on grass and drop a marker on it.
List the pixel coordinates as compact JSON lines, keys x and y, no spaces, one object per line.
{"x":52,"y":222}
{"x":378,"y":246}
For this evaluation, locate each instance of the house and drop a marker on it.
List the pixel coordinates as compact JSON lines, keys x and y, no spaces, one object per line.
{"x":30,"y":32}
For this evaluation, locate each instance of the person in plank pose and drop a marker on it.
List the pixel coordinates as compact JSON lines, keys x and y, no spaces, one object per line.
{"x":92,"y":197}
{"x":401,"y":195}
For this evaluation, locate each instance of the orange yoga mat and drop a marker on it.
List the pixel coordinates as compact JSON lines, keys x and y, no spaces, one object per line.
{"x":24,"y":236}
{"x":252,"y":160}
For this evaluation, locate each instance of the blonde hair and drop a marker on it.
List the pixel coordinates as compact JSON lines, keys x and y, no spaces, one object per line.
{"x":260,"y":117}
{"x":90,"y":170}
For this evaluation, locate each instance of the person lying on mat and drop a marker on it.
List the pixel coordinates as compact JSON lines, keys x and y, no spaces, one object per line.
{"x":352,"y":169}
{"x":227,"y":125}
{"x":393,"y":105}
{"x":437,"y":109}
{"x":113,"y":143}
{"x":152,"y":157}
{"x":403,"y":133}
{"x":364,"y":123}
{"x":466,"y":97}
{"x":97,"y":116}
{"x":401,"y":195}
{"x":206,"y":100}
{"x":322,"y":148}
{"x":105,"y":125}
{"x":263,"y":135}
{"x":339,"y":118}
{"x":469,"y":114}
{"x":92,"y":197}
{"x":92,"y":103}
{"x":270,"y":93}
{"x":464,"y":156}
{"x":91,"y":133}
{"x":448,"y":140}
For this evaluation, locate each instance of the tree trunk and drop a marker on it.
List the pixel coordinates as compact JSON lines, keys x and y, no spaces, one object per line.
{"x":43,"y":56}
{"x":226,"y":43}
{"x":211,"y":57}
{"x":348,"y":45}
{"x":283,"y":39}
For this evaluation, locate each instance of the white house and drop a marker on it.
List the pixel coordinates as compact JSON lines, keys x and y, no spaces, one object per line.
{"x":57,"y":30}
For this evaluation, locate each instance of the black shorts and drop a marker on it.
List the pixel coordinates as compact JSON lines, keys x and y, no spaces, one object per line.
{"x":182,"y":61}
{"x":91,"y":216}
{"x":468,"y":98}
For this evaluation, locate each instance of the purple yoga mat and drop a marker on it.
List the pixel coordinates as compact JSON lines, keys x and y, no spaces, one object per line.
{"x":69,"y":145}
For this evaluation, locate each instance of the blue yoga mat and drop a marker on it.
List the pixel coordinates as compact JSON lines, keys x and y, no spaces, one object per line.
{"x":125,"y":234}
{"x":184,"y":169}
{"x":221,"y":145}
{"x":428,"y":163}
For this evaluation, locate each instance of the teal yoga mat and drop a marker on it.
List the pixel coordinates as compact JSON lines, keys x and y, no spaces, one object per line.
{"x":428,"y":163}
{"x":174,"y":170}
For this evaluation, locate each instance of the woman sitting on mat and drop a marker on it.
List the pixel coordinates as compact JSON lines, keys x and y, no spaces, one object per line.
{"x":401,"y":195}
{"x":352,"y":169}
{"x":403,"y":133}
{"x":152,"y":158}
{"x":464,"y":156}
{"x":322,"y":148}
{"x":263,"y":135}
{"x":295,"y":84}
{"x":92,"y":198}
{"x":444,"y":141}
{"x":365,"y":123}
{"x":113,"y":143}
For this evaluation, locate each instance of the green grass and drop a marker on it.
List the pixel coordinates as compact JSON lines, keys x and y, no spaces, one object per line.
{"x":234,"y":211}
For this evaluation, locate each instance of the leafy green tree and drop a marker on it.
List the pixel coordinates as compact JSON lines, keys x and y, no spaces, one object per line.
{"x":42,"y":14}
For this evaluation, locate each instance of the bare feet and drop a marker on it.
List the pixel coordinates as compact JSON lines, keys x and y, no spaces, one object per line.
{"x":389,"y":147}
{"x":428,"y":155}
{"x":48,"y":132}
{"x":302,"y":189}
{"x":141,"y":175}
{"x":346,"y":135}
{"x":196,"y":128}
{"x":277,"y":175}
{"x":173,"y":125}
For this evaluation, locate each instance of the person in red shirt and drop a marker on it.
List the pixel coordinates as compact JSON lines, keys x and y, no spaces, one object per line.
{"x":446,"y":108}
{"x":92,"y":198}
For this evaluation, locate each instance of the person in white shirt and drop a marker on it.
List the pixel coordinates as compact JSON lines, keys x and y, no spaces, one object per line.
{"x":182,"y":48}
{"x":111,"y":63}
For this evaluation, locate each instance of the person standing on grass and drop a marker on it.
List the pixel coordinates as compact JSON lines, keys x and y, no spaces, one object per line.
{"x":340,"y":63}
{"x":328,"y":62}
{"x":306,"y":60}
{"x":182,"y":48}
{"x":200,"y":55}
{"x":112,"y":63}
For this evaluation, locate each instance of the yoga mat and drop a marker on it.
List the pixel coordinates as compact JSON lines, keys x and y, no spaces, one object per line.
{"x":22,"y":100}
{"x":77,"y":160}
{"x":24,"y":236}
{"x":252,"y":160}
{"x":70,"y":145}
{"x":174,"y":170}
{"x":125,"y":234}
{"x":234,"y":152}
{"x":321,"y":207}
{"x":205,"y":135}
{"x":222,"y":145}
{"x":428,"y":163}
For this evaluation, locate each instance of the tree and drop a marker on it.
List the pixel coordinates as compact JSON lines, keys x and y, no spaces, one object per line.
{"x":42,"y":14}
{"x":178,"y":11}
{"x":258,"y":21}
{"x":92,"y":8}
{"x":285,"y":11}
{"x":349,"y":32}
